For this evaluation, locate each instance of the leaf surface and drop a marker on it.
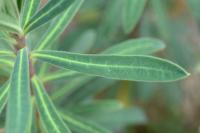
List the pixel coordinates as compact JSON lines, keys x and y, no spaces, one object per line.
{"x":48,"y":12}
{"x":49,"y":116}
{"x":19,"y":109}
{"x":8,"y":23}
{"x":59,"y":75}
{"x":29,"y":8}
{"x":79,"y":124}
{"x":136,"y":68}
{"x":4,"y":95}
{"x":140,"y":46}
{"x":59,"y":25}
{"x":132,"y":12}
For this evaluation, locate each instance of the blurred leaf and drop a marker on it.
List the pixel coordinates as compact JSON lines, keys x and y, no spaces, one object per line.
{"x":110,"y":24}
{"x":136,"y":47}
{"x":121,"y":118}
{"x":60,"y":74}
{"x":6,"y":62}
{"x":132,"y":12}
{"x":97,"y":107}
{"x":85,"y":42}
{"x":4,"y":95}
{"x":89,"y":90}
{"x":19,"y":98}
{"x":48,"y":12}
{"x":137,"y":68}
{"x":6,"y":53}
{"x":29,"y":8}
{"x":71,"y":86}
{"x":58,"y":25}
{"x":82,"y":125}
{"x":49,"y":116}
{"x":8,"y":23}
{"x":9,"y":7}
{"x":162,"y":19}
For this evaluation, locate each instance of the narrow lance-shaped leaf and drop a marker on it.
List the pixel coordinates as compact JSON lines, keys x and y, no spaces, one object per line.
{"x":79,"y":124}
{"x":132,"y":12}
{"x":6,"y":53}
{"x":49,"y":11}
{"x":58,"y":25}
{"x":59,"y":75}
{"x":136,"y":68}
{"x":28,"y":10}
{"x":6,"y":62}
{"x":120,"y":118}
{"x":131,"y":47}
{"x":49,"y":116}
{"x":98,"y":107}
{"x":4,"y":95}
{"x":8,"y":23}
{"x":19,"y":109}
{"x":136,"y":47}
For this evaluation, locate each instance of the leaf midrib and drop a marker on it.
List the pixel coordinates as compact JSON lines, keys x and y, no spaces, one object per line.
{"x":45,"y":107}
{"x":29,"y":12}
{"x":42,"y":45}
{"x":36,"y":20}
{"x":100,"y":65}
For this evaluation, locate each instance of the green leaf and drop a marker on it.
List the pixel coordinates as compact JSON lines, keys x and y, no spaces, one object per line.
{"x":9,"y":7}
{"x":4,"y":95}
{"x":97,"y":107}
{"x":8,"y":23}
{"x":58,"y":25}
{"x":6,"y":62}
{"x":89,"y":90}
{"x":48,"y":12}
{"x":120,"y":118}
{"x":136,"y":47}
{"x":29,"y":8}
{"x":19,"y":109}
{"x":70,"y":87}
{"x":59,"y":75}
{"x":79,"y":124}
{"x":85,"y":42}
{"x":49,"y":116}
{"x":6,"y":53}
{"x":132,"y":12}
{"x":136,"y":68}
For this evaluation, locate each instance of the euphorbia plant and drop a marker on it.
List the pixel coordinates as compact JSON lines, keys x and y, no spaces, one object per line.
{"x":27,"y":100}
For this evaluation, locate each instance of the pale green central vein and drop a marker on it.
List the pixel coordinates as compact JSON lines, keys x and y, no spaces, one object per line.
{"x":29,"y":12}
{"x":44,"y":43}
{"x":99,"y":65}
{"x":45,"y":107}
{"x":35,"y":21}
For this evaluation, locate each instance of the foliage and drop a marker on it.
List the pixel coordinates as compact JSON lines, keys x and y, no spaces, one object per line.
{"x":34,"y":60}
